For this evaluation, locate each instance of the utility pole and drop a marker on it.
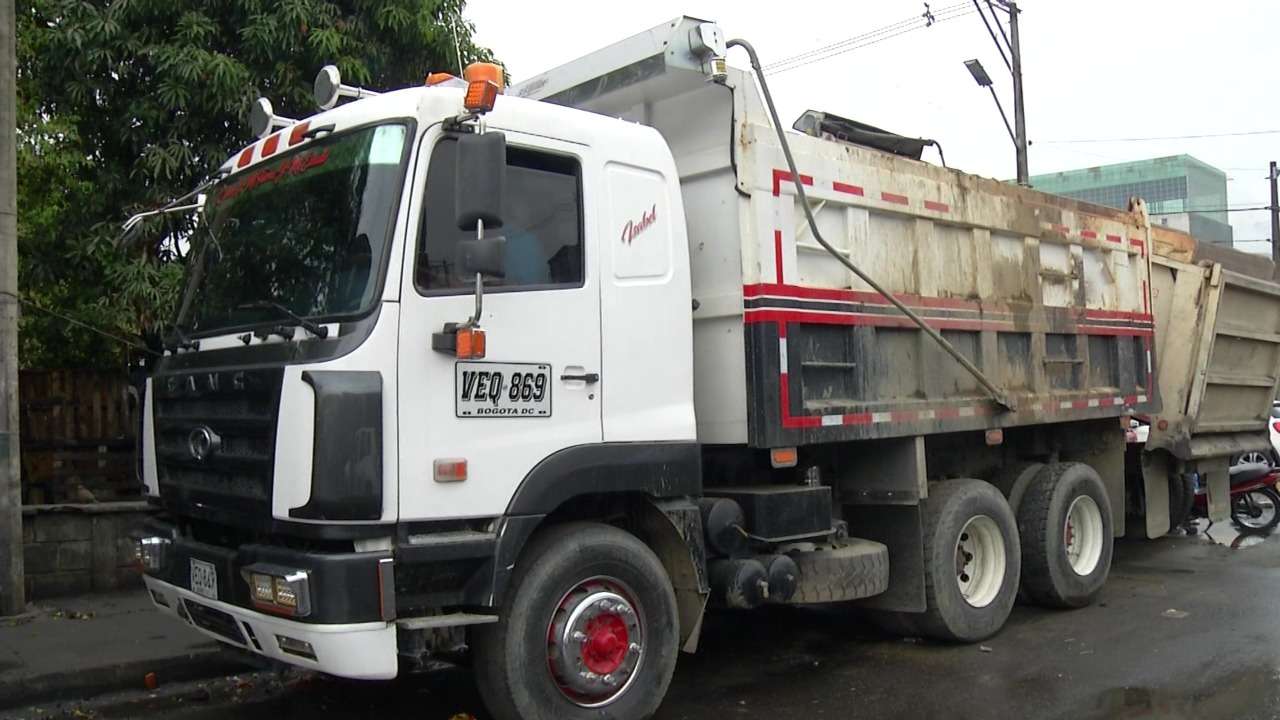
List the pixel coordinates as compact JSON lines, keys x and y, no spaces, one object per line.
{"x":1019,"y":112}
{"x":1275,"y":216}
{"x":12,"y":591}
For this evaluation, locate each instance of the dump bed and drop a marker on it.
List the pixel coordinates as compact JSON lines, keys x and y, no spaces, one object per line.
{"x":1048,"y":296}
{"x":1218,"y":336}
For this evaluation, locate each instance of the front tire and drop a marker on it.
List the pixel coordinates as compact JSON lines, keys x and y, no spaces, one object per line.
{"x":1067,"y":539}
{"x":588,"y":629}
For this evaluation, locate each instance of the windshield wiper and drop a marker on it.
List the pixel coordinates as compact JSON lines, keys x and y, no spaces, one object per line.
{"x":179,"y":341}
{"x":315,"y":329}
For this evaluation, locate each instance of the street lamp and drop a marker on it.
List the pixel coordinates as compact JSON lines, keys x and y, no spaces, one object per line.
{"x":981,"y":77}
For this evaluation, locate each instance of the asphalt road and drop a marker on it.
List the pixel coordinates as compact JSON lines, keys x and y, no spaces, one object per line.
{"x":1185,"y":629}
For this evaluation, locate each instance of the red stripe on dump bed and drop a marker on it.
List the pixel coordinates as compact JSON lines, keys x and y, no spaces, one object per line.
{"x":779,"y":176}
{"x":1061,"y":229}
{"x":848,"y":189}
{"x":894,"y":198}
{"x":1115,"y":239}
{"x":1140,"y":244}
{"x":812,"y":293}
{"x":936,"y":206}
{"x":793,"y":421}
{"x":777,"y":254}
{"x":1089,"y":234}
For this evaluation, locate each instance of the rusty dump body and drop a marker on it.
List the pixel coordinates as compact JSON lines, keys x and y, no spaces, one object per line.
{"x":1048,"y":296}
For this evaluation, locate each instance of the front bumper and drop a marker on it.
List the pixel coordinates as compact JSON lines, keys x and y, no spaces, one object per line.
{"x":362,"y":651}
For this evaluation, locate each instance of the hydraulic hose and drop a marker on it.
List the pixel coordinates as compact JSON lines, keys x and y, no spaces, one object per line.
{"x":1003,"y":398}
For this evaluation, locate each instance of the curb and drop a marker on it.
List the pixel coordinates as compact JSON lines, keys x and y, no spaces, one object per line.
{"x":90,"y":682}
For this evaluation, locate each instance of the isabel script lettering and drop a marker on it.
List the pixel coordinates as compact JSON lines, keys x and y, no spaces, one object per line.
{"x":633,"y":228}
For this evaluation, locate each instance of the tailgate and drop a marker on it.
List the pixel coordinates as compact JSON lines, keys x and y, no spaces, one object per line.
{"x":1239,"y":360}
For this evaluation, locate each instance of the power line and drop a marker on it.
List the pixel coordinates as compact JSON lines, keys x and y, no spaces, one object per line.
{"x":857,"y":38}
{"x":27,"y":303}
{"x":867,"y":39}
{"x":1167,"y":137}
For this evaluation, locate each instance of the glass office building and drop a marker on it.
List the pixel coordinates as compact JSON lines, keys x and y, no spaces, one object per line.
{"x":1181,"y":192}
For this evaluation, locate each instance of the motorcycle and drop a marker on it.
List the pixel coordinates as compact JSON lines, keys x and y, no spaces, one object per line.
{"x":1255,"y":502}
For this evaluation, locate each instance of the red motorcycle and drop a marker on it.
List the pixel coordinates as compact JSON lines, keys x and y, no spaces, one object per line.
{"x":1255,"y":502}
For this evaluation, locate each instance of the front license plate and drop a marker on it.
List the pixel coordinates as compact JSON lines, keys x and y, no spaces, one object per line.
{"x":486,"y":389}
{"x":204,"y":579}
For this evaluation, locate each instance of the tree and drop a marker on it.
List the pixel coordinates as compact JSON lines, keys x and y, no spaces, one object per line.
{"x":125,"y":104}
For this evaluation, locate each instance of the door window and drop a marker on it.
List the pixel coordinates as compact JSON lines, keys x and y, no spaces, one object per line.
{"x":542,"y":224}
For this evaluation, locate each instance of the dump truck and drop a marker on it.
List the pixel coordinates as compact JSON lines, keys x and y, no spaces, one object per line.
{"x":1218,"y":337}
{"x":535,"y":376}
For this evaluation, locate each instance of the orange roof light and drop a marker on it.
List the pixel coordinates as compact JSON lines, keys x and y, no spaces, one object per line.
{"x":484,"y":71}
{"x":481,"y":95}
{"x":437,"y":78}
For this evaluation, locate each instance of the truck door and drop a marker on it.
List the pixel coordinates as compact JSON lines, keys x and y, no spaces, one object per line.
{"x":537,"y":390}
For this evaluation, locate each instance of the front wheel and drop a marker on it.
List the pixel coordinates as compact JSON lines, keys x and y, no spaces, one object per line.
{"x":1256,"y":511}
{"x":588,"y":629}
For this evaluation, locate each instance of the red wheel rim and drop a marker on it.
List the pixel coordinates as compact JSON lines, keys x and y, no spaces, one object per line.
{"x":595,"y":642}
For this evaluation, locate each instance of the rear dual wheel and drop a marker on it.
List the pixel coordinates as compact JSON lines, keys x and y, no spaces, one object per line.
{"x":1064,"y":520}
{"x":971,"y":564}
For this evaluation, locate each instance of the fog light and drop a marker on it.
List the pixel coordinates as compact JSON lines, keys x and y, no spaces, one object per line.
{"x":149,"y":553}
{"x":159,"y":598}
{"x":296,"y":647}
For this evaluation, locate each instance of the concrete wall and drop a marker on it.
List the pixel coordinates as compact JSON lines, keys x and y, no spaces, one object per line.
{"x":76,"y":549}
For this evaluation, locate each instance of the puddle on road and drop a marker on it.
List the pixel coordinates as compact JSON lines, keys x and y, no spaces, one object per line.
{"x":1228,"y":534}
{"x":1252,"y":693}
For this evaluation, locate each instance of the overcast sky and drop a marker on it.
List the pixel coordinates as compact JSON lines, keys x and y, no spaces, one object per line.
{"x":1093,"y":69}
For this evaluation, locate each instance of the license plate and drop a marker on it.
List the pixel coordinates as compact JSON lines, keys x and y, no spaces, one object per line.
{"x":503,"y":389}
{"x":204,"y":579}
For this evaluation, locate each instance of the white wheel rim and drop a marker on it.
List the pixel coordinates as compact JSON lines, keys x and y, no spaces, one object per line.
{"x":1251,"y":501}
{"x":980,"y":561}
{"x":1082,"y":535}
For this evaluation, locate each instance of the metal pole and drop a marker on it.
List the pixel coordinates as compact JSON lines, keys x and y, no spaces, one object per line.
{"x":12,"y":593}
{"x":1003,"y":117}
{"x":1275,"y":216}
{"x":1019,"y":112}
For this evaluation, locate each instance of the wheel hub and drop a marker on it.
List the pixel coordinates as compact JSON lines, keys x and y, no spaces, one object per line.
{"x":980,"y":562}
{"x":595,"y":642}
{"x":1082,"y":535}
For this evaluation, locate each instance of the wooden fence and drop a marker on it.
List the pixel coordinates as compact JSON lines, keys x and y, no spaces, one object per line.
{"x":79,"y":429}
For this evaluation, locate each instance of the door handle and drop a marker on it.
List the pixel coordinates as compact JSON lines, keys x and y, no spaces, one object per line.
{"x":588,"y":378}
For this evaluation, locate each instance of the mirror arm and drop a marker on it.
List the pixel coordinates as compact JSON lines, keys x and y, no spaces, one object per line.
{"x":474,"y":321}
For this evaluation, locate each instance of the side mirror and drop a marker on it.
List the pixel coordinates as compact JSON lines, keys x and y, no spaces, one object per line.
{"x":481,"y":180}
{"x":483,"y":256}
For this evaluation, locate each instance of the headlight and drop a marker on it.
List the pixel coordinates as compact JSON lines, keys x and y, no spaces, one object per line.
{"x":279,"y":590}
{"x":263,"y":587}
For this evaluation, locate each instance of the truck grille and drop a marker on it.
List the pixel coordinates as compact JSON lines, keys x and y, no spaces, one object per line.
{"x":233,"y":414}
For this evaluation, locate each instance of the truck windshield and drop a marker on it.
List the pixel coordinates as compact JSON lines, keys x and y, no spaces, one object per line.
{"x":307,"y":232}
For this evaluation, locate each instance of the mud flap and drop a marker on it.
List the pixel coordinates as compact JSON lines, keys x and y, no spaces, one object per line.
{"x":1215,"y":476}
{"x":673,"y":530}
{"x":1155,"y":481}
